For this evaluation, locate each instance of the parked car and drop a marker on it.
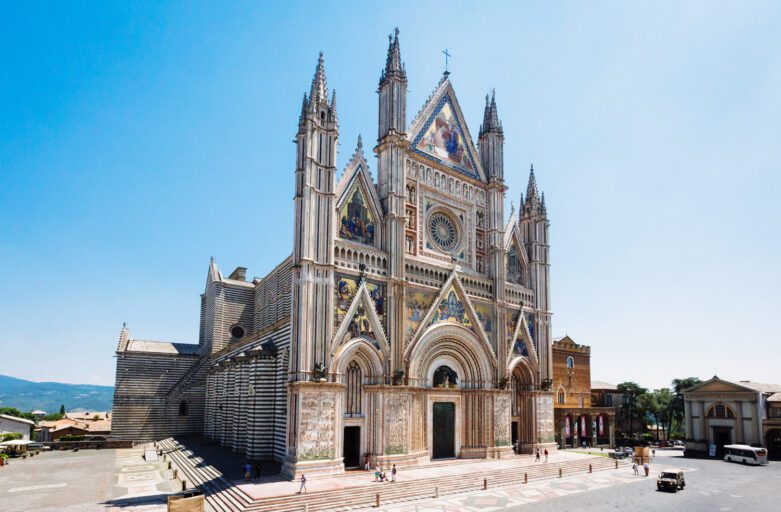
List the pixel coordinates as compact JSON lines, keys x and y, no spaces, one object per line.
{"x":671,"y":480}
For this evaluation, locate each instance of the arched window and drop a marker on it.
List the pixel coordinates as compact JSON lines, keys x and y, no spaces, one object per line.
{"x":721,"y":411}
{"x":354,"y":380}
{"x":561,"y":397}
{"x":183,"y":408}
{"x":445,"y":377}
{"x":570,"y":362}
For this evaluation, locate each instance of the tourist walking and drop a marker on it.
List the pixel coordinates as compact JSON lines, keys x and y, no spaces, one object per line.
{"x":546,"y":455}
{"x":303,"y":484}
{"x":393,"y":473}
{"x":537,"y":456}
{"x":247,"y":469}
{"x":256,"y":476}
{"x":376,"y":474}
{"x":646,"y":468}
{"x":634,"y":468}
{"x":366,"y":458}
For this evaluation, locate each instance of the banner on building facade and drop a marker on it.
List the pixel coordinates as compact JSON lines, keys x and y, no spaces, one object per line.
{"x":601,"y":425}
{"x":566,"y":427}
{"x":583,"y":425}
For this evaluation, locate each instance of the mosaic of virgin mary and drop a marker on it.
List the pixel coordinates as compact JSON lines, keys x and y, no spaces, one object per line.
{"x":444,"y":140}
{"x":356,"y":222}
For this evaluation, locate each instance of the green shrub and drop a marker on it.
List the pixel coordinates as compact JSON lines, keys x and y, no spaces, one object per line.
{"x":10,"y":436}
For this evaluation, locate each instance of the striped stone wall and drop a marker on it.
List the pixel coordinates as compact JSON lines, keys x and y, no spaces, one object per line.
{"x":142,"y":408}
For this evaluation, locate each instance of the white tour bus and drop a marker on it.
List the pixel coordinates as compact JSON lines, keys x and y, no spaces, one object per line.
{"x":745,"y":454}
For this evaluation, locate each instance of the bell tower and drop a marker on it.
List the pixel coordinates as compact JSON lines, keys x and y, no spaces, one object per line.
{"x":391,"y":146}
{"x":315,"y":218}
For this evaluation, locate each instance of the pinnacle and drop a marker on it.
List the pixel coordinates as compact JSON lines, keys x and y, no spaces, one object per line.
{"x":491,"y":123}
{"x":319,"y":92}
{"x":393,"y":65}
{"x":531,"y":188}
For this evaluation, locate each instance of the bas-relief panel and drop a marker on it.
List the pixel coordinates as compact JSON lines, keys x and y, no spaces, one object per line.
{"x":396,"y":414}
{"x":417,"y":303}
{"x":502,"y":421}
{"x":451,"y":310}
{"x":346,"y":287}
{"x":444,"y":140}
{"x":545,"y":429}
{"x":316,"y":438}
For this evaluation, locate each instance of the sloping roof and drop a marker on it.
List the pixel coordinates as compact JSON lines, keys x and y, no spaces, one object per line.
{"x":162,"y":347}
{"x":14,"y":418}
{"x":775,"y":397}
{"x":761,"y":387}
{"x":598,"y":384}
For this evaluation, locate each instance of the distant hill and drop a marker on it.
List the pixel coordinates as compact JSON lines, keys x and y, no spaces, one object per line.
{"x":28,"y":396}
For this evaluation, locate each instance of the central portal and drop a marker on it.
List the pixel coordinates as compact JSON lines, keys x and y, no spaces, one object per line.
{"x":443,"y":432}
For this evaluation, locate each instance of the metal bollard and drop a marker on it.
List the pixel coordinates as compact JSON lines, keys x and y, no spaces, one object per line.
{"x":377,"y":500}
{"x":184,"y":485}
{"x":176,"y":473}
{"x":169,"y":464}
{"x":616,"y":463}
{"x":485,"y":484}
{"x":590,"y":469}
{"x":526,"y":478}
{"x":560,"y":472}
{"x":436,"y":491}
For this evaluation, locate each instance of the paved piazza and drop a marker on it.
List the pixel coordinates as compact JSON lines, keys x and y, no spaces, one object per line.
{"x":711,"y":486}
{"x":84,"y":481}
{"x":120,"y":479}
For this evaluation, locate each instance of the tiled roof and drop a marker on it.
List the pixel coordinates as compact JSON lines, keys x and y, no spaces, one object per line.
{"x":775,"y":397}
{"x":761,"y":387}
{"x":162,"y":347}
{"x":598,"y":384}
{"x":14,"y":418}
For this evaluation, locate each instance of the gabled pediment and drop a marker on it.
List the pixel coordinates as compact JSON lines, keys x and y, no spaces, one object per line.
{"x":440,"y":133}
{"x":452,"y":306}
{"x":517,"y":260}
{"x":362,"y":321}
{"x":359,"y":214}
{"x":718,"y":385}
{"x":521,"y":343}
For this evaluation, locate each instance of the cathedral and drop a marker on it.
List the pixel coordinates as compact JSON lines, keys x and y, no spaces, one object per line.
{"x":411,"y":321}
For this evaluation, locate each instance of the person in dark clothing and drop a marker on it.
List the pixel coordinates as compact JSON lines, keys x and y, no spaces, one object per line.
{"x":256,"y":475}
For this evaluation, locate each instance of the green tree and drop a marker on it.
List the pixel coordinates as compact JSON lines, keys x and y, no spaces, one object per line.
{"x":13,"y":411}
{"x":631,"y":391}
{"x":62,"y":409}
{"x":664,"y":417}
{"x":677,"y":405}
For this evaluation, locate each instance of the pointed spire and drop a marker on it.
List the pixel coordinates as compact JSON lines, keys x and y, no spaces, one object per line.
{"x":319,"y":92}
{"x":360,"y":143}
{"x":542,"y":203}
{"x":491,"y":122}
{"x":520,"y":207}
{"x":393,"y":66}
{"x":303,"y":106}
{"x":531,"y":188}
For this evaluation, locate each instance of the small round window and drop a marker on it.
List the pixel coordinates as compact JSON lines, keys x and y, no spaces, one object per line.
{"x":237,"y":332}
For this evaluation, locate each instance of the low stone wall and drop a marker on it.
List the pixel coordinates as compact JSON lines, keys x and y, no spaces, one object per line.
{"x":88,"y":445}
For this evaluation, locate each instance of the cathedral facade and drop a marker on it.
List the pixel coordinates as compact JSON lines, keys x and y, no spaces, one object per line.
{"x":411,"y":321}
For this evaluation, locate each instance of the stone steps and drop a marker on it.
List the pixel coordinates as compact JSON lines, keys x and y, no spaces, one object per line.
{"x":364,"y":497}
{"x":220,"y":495}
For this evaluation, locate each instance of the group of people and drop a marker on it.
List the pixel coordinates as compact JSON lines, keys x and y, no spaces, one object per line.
{"x":381,"y":476}
{"x":537,"y":455}
{"x":249,"y":474}
{"x":636,"y":468}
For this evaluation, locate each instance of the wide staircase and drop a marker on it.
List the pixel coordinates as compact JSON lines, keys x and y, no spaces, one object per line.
{"x":194,"y":472}
{"x":222,"y":496}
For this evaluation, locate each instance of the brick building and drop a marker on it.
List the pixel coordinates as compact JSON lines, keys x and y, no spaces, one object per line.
{"x":576,"y":418}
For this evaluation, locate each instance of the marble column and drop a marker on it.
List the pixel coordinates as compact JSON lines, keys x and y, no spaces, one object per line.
{"x":739,"y":421}
{"x":702,"y":421}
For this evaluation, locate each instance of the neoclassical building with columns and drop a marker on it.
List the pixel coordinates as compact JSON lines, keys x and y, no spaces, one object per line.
{"x":411,"y":322}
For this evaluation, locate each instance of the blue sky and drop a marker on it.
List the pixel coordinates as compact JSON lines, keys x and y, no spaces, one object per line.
{"x":139,"y":139}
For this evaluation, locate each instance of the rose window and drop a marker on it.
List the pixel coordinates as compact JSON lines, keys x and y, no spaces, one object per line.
{"x":443,"y":232}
